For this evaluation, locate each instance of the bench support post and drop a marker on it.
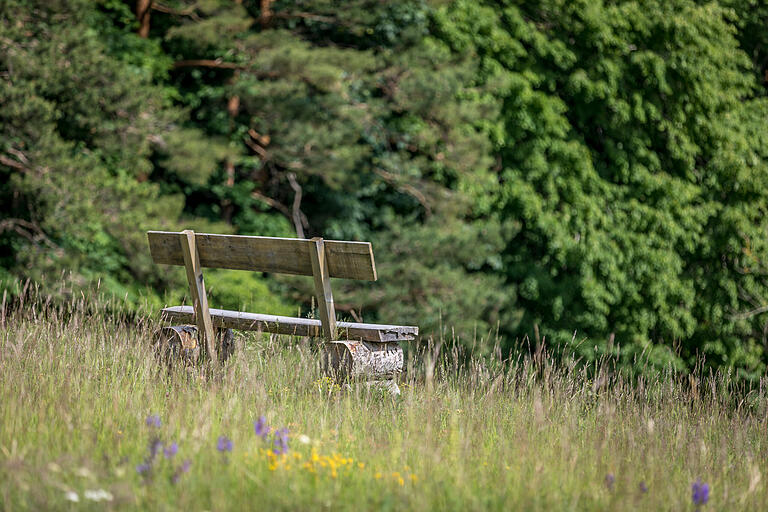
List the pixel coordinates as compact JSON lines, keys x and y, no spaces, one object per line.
{"x":323,"y":288}
{"x":378,"y":364}
{"x":197,"y":292}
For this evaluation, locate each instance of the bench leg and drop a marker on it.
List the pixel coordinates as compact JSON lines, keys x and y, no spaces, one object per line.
{"x":179,"y":343}
{"x":376,"y":363}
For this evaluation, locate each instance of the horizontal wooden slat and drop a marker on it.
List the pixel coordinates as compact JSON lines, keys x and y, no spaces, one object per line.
{"x":295,"y":326}
{"x":351,"y":260}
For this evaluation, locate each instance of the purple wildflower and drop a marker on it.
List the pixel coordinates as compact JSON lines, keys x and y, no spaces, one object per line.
{"x":699,"y":493}
{"x":224,"y":444}
{"x":181,"y":470}
{"x":609,"y":481}
{"x":142,"y":468}
{"x":154,"y":448}
{"x":153,"y":420}
{"x":643,"y":487}
{"x":281,"y":441}
{"x":171,"y":450}
{"x":260,"y":427}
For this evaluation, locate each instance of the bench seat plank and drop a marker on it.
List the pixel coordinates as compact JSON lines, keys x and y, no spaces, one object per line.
{"x":295,"y":326}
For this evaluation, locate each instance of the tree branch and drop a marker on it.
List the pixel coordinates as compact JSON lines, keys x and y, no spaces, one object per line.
{"x":277,"y":205}
{"x":749,"y":314}
{"x":307,"y":16}
{"x":27,"y":229}
{"x":207,"y":63}
{"x":13,"y":163}
{"x":258,"y":149}
{"x":190,"y":11}
{"x":406,"y":188}
{"x":298,"y":217}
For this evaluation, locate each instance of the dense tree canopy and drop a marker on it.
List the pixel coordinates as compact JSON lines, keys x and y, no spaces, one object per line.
{"x":589,"y":173}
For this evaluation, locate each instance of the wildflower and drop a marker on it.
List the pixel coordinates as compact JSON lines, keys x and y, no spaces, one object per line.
{"x":142,"y":468}
{"x":98,"y":495}
{"x":609,"y":481}
{"x":181,"y":470}
{"x":260,"y":426}
{"x":84,"y":472}
{"x":699,"y":493}
{"x":224,"y":444}
{"x":72,"y":496}
{"x":171,"y":450}
{"x":153,"y":420}
{"x":303,"y":439}
{"x":643,"y":488}
{"x":154,"y":447}
{"x":281,"y":441}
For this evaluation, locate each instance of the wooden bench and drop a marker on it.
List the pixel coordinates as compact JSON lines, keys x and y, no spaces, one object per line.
{"x":351,"y":349}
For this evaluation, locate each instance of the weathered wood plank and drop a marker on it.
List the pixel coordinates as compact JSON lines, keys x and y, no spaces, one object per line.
{"x":295,"y":326}
{"x":197,"y":292}
{"x":350,"y":260}
{"x":323,"y":288}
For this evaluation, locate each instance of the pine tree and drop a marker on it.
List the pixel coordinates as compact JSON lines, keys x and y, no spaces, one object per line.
{"x":349,"y":123}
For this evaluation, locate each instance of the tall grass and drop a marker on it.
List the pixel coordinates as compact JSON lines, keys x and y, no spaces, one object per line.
{"x":76,"y":385}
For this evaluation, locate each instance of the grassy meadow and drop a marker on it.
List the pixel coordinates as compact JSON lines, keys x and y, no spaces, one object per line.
{"x":82,"y":395}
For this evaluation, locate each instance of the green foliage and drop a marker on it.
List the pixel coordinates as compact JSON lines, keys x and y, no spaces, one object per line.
{"x":634,"y":168}
{"x":534,"y":167}
{"x":243,"y":291}
{"x":351,"y":125}
{"x":79,"y":131}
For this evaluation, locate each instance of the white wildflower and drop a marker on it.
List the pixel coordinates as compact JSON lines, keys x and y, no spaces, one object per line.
{"x":72,"y":496}
{"x":98,"y":495}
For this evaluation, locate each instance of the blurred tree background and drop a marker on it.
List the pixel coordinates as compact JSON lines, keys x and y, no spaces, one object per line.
{"x":590,"y":175}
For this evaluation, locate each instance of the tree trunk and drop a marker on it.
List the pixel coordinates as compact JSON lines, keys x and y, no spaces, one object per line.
{"x":143,"y":8}
{"x":266,"y":13}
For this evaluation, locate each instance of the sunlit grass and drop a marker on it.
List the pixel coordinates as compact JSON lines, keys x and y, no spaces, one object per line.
{"x":76,"y":390}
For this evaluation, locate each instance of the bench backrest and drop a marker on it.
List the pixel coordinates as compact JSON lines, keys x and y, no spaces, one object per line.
{"x":350,"y":260}
{"x":319,"y":258}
